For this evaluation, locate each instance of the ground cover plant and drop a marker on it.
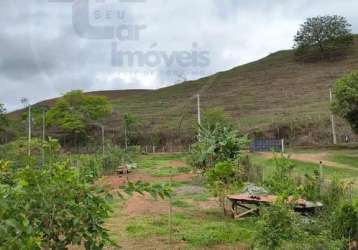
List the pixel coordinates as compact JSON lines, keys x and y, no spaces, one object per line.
{"x":54,"y":202}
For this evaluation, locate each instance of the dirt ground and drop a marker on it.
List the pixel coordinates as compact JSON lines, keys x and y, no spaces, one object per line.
{"x":143,"y":205}
{"x":115,"y":181}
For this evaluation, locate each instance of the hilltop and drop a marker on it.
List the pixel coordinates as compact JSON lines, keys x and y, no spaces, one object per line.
{"x":276,"y":95}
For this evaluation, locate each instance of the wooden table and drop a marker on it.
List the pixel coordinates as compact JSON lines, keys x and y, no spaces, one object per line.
{"x":244,"y":201}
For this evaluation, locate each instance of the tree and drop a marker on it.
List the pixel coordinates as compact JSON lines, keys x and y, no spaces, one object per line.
{"x":3,"y":118}
{"x":219,"y":144}
{"x":346,"y":99}
{"x":215,"y":116}
{"x":129,"y":121}
{"x":222,"y":179}
{"x":4,"y":123}
{"x":75,"y":111}
{"x":57,"y":205}
{"x":322,"y":37}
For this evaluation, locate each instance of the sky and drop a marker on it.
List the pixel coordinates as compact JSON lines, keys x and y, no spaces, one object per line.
{"x":49,"y":47}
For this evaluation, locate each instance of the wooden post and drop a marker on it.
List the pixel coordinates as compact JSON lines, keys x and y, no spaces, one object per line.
{"x":321,"y":169}
{"x":332,"y":120}
{"x":170,"y":210}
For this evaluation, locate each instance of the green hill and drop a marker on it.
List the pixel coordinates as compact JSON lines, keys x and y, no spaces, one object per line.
{"x":276,"y":96}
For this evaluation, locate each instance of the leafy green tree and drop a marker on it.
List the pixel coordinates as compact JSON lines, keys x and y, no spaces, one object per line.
{"x":281,"y":181}
{"x":345,"y":222}
{"x":52,"y":207}
{"x":215,"y":116}
{"x":129,"y":123}
{"x":223,"y":179}
{"x":57,"y":205}
{"x":346,"y":99}
{"x":37,"y":113}
{"x":215,"y":145}
{"x":75,"y":111}
{"x":277,"y":224}
{"x":3,"y":119}
{"x":323,"y":36}
{"x":16,"y":152}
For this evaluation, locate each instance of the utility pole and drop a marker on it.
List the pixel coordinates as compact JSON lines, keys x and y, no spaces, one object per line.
{"x":29,"y":146}
{"x":125,"y":137}
{"x":199,"y":113}
{"x":103,"y":142}
{"x":27,"y":104}
{"x":43,"y":135}
{"x":332,"y":120}
{"x":43,"y":126}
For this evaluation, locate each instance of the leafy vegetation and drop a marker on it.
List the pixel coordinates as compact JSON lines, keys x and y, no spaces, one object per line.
{"x":75,"y":112}
{"x":223,"y":179}
{"x":54,"y":202}
{"x":214,"y":145}
{"x":346,"y":99}
{"x":130,"y":123}
{"x":3,"y":118}
{"x":52,"y":207}
{"x":323,"y":36}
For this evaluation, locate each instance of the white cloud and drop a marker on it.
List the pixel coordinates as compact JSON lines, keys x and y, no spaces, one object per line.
{"x":42,"y":56}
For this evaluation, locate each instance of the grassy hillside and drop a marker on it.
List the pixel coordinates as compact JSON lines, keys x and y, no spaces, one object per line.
{"x":274,"y":92}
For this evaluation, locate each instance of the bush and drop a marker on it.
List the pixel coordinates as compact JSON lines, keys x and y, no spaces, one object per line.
{"x":345,"y":222}
{"x":222,"y":179}
{"x":281,"y":180}
{"x":277,"y":224}
{"x":115,"y":157}
{"x":41,"y":152}
{"x":52,"y":207}
{"x":219,"y":144}
{"x":346,"y":99}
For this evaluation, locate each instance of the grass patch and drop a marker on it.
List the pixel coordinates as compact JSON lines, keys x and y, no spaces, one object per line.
{"x":198,"y":230}
{"x":346,"y":159}
{"x":155,"y":160}
{"x":168,"y":171}
{"x":302,"y":168}
{"x":147,"y":227}
{"x":180,"y":203}
{"x":201,"y":197}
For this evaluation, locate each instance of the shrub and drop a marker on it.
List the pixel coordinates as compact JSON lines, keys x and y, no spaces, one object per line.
{"x":277,"y":224}
{"x":222,"y":179}
{"x":219,"y":144}
{"x":115,"y":157}
{"x":281,"y":180}
{"x":345,"y":222}
{"x":346,"y":99}
{"x":52,"y":207}
{"x":41,"y":152}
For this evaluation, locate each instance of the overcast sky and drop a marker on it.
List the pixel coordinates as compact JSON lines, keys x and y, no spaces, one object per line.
{"x":49,"y":47}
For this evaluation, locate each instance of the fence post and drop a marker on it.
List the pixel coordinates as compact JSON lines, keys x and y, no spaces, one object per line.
{"x":283,"y":145}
